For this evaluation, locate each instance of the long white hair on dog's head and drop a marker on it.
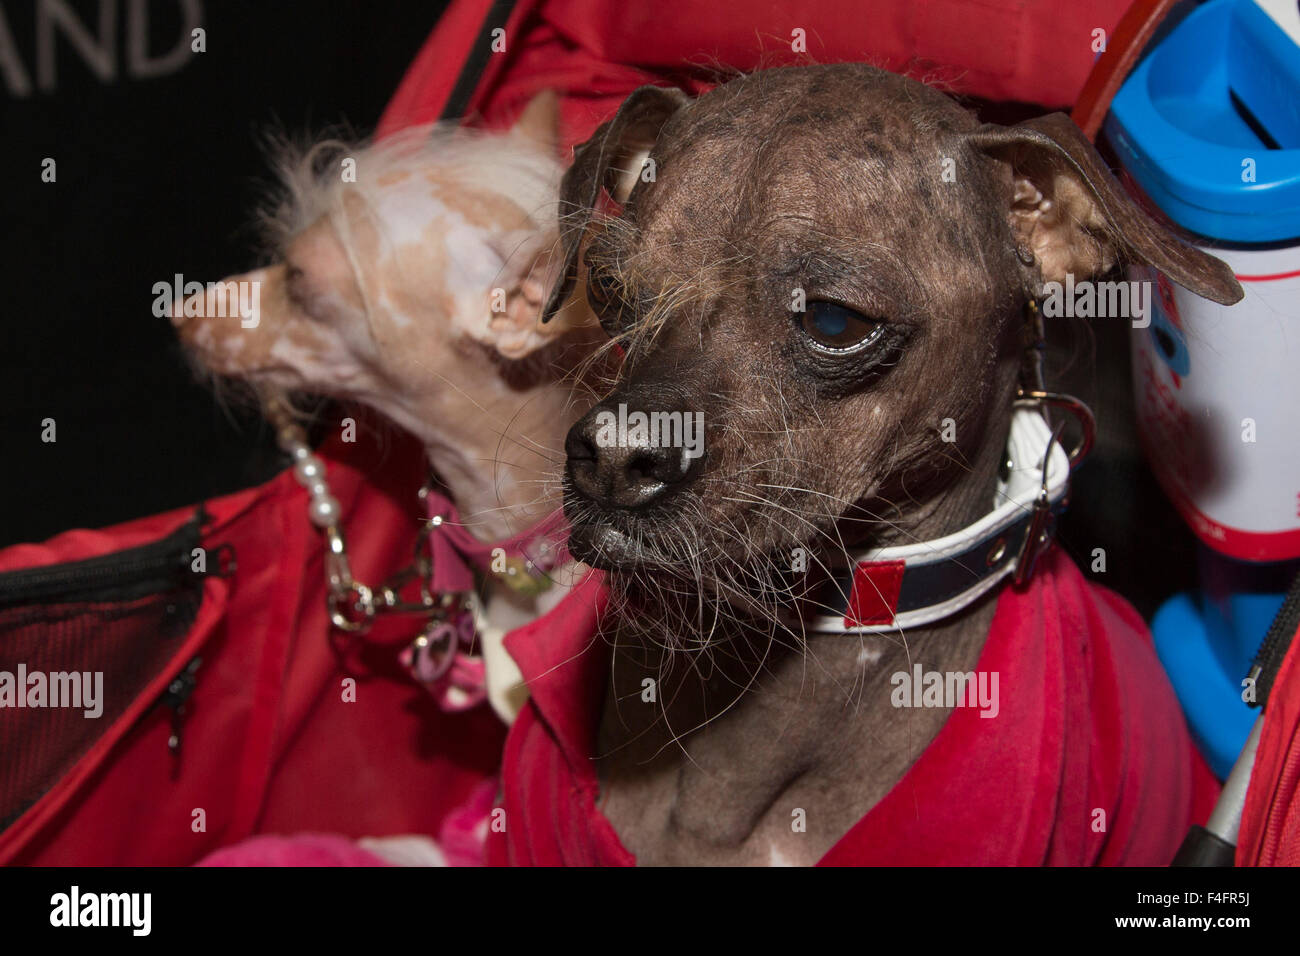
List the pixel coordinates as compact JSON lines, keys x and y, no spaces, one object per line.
{"x":310,"y":175}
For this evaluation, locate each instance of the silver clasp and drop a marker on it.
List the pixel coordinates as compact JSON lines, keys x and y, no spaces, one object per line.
{"x":351,"y":603}
{"x":1039,"y":534}
{"x":1079,"y":410}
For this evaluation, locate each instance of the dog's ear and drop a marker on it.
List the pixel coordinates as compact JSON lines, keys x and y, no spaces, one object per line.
{"x":516,"y":300}
{"x":602,"y":163}
{"x":540,"y":120}
{"x":1068,"y":210}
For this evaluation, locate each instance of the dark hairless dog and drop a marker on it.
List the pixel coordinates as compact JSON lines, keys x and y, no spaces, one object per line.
{"x":833,"y":265}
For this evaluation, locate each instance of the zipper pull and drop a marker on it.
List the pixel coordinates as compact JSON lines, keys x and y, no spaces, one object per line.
{"x":177,"y":693}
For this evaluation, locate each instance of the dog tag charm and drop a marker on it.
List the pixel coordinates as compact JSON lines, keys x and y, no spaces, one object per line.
{"x":441,"y":659}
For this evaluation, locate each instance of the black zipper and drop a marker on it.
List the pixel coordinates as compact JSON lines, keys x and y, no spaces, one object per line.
{"x":175,"y":698}
{"x":162,"y":566}
{"x":120,"y":576}
{"x":1268,"y":659}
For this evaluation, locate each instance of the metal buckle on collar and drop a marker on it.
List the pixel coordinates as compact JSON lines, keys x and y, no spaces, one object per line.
{"x":1033,"y":392}
{"x":1067,"y":403}
{"x":1039,"y":534}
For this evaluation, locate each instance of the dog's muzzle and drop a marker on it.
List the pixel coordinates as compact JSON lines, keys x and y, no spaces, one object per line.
{"x":613,"y":476}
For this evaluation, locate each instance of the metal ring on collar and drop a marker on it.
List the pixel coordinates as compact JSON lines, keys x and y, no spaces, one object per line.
{"x":1068,"y":403}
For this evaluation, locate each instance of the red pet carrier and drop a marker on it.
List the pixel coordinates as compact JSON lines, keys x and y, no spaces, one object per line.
{"x":1269,"y":832}
{"x":225,"y":704}
{"x":225,"y":712}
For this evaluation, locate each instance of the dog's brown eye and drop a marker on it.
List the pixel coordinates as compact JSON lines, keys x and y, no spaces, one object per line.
{"x":834,"y":326}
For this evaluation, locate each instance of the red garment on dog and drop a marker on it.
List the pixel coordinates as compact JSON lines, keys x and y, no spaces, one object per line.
{"x":1087,"y":723}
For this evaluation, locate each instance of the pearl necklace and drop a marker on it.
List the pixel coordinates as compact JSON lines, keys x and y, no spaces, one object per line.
{"x":309,"y":470}
{"x":352,"y":605}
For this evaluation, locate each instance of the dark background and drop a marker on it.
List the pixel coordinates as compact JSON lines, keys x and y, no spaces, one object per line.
{"x":156,"y":175}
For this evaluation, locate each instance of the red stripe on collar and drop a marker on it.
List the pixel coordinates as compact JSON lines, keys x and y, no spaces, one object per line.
{"x":874,"y":598}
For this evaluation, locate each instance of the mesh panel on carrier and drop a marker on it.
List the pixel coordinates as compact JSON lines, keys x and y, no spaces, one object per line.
{"x":78,"y":642}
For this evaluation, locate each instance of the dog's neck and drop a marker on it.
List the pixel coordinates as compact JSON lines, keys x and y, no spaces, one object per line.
{"x":498,"y":460}
{"x":812,"y":713}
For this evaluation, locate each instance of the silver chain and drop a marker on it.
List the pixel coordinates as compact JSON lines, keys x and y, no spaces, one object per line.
{"x":352,"y":604}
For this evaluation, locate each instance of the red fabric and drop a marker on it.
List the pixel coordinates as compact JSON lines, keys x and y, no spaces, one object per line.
{"x":595,"y":52}
{"x":461,"y":842}
{"x":1270,"y":819}
{"x":1087,"y":722}
{"x":308,"y":849}
{"x":464,"y":833}
{"x":268,"y":744}
{"x":874,"y":598}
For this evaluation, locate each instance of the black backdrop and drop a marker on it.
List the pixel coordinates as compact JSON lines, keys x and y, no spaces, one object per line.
{"x":158,"y":171}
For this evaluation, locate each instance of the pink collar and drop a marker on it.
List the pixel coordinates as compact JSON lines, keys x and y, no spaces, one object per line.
{"x":447,"y":657}
{"x":457,"y":554}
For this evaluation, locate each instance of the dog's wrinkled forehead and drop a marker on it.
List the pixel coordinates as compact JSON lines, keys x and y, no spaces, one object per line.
{"x":873,"y":163}
{"x":865,"y":168}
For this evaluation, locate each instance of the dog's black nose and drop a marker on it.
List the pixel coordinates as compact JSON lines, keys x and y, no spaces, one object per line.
{"x":618,"y":469}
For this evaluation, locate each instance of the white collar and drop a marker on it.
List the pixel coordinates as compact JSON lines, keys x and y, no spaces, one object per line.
{"x":894,"y":588}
